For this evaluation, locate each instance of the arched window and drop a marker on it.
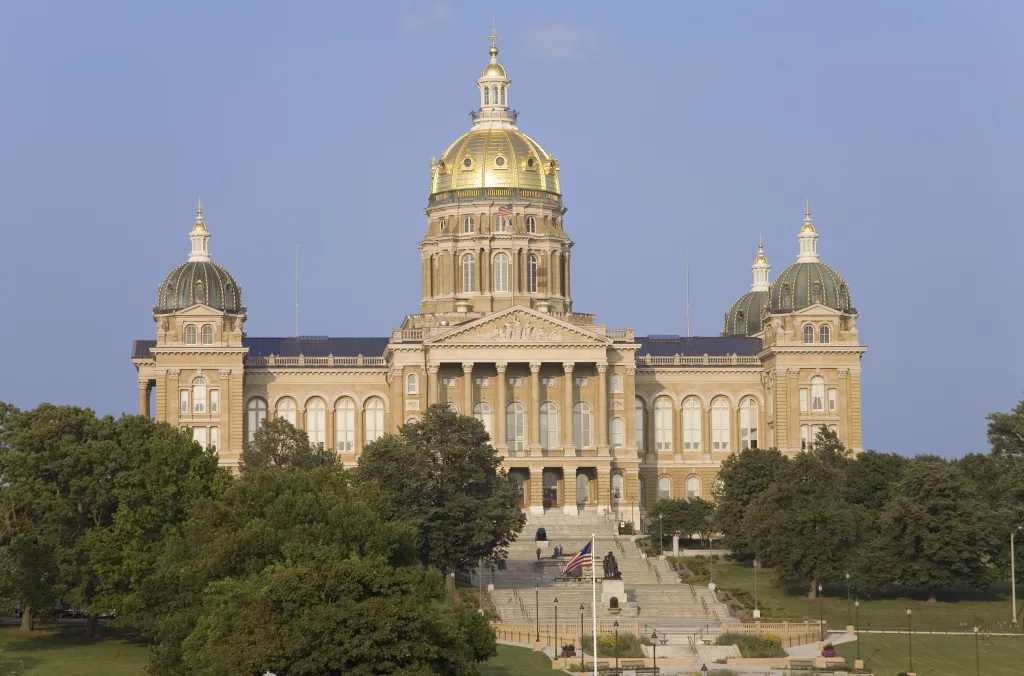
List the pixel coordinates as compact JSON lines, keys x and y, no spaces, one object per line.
{"x":515,"y":426}
{"x":316,"y":421}
{"x":816,"y":293}
{"x":468,"y":224}
{"x":191,"y":335}
{"x":720,"y":424}
{"x":748,"y":423}
{"x":255,"y":414}
{"x":787,"y":301}
{"x":451,"y":405}
{"x":618,"y":433}
{"x":616,"y":383}
{"x":692,"y":487}
{"x":581,"y":437}
{"x":411,"y":419}
{"x":808,"y":333}
{"x":487,"y":96}
{"x":469,"y":273}
{"x":345,"y":424}
{"x":639,"y":412}
{"x":548,"y":425}
{"x":199,"y":396}
{"x":691,"y":424}
{"x":482,"y":412}
{"x":207,"y":335}
{"x":494,"y":94}
{"x":502,"y":94}
{"x":824,"y":334}
{"x":531,"y":224}
{"x":663,"y":424}
{"x":817,"y":393}
{"x":501,"y":273}
{"x":844,"y":297}
{"x":443,"y":224}
{"x":616,"y":486}
{"x":501,"y":223}
{"x":412,"y":384}
{"x":373,"y":414}
{"x":531,"y":273}
{"x":286,"y":409}
{"x":664,"y":488}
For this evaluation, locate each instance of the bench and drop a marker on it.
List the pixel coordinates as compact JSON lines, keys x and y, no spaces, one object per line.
{"x":801,"y":664}
{"x":638,"y":667}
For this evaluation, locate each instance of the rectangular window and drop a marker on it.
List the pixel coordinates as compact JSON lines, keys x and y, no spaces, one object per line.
{"x":804,"y":400}
{"x":548,"y":381}
{"x":691,"y":428}
{"x":447,"y":382}
{"x":833,"y":400}
{"x":184,"y":401}
{"x":214,"y":401}
{"x":515,"y":381}
{"x":199,"y":434}
{"x":482,"y":382}
{"x":581,"y":382}
{"x":803,"y":437}
{"x":214,"y":438}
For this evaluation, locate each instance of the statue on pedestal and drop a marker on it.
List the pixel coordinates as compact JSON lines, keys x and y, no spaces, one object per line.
{"x":611,"y":568}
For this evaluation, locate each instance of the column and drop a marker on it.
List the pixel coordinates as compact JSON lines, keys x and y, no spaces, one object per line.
{"x":455,"y":273}
{"x":397,"y":409}
{"x":567,"y":403}
{"x":537,"y":490}
{"x":467,"y":377}
{"x":330,"y":443}
{"x":534,"y":412}
{"x":629,"y":405}
{"x":433,"y":391}
{"x":144,"y":398}
{"x":500,"y":392}
{"x":604,"y":485}
{"x":602,"y":408}
{"x":235,"y":407}
{"x":360,"y":431}
{"x":569,"y":491}
{"x":568,"y":284}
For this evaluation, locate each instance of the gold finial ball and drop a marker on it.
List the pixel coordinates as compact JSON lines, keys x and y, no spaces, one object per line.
{"x":493,"y":51}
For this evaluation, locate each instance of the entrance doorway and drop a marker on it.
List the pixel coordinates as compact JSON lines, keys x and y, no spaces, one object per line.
{"x":519,"y":478}
{"x":552,"y":499}
{"x":582,"y":490}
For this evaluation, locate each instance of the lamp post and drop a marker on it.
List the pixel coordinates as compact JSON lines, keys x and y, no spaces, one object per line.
{"x":704,"y":670}
{"x":821,"y":615}
{"x":654,"y":643}
{"x":582,"y":608}
{"x":632,"y":511}
{"x":856,"y":628}
{"x":848,"y":616}
{"x":910,"y":639}
{"x":977,"y":653}
{"x":661,"y":533}
{"x":757,"y":611}
{"x":1013,"y":575}
{"x":536,"y":614}
{"x":616,"y":625}
{"x":557,"y":647}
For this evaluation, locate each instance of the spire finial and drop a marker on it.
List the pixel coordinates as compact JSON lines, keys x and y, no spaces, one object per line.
{"x":493,"y":37}
{"x":200,"y":225}
{"x":807,"y":210}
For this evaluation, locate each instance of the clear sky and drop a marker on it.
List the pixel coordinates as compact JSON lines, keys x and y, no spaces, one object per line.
{"x":676,"y":123}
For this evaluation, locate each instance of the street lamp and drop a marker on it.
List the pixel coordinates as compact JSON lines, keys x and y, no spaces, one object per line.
{"x":581,"y":628}
{"x":848,"y":616}
{"x":654,"y":642}
{"x":558,"y":649}
{"x":661,"y":533}
{"x":977,"y":653}
{"x":821,"y":615}
{"x":856,"y":628}
{"x":1013,"y":575}
{"x":910,"y":639}
{"x":757,"y":611}
{"x":616,"y":625}
{"x":704,"y":670}
{"x":536,"y":616}
{"x":632,"y":511}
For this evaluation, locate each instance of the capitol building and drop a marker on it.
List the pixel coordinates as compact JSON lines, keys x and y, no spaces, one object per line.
{"x":584,"y":416}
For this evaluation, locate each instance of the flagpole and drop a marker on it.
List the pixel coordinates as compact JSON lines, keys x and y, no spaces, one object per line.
{"x":593,"y":604}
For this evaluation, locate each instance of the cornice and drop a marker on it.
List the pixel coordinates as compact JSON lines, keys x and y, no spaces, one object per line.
{"x":258,"y":370}
{"x":702,"y":370}
{"x":192,"y":350}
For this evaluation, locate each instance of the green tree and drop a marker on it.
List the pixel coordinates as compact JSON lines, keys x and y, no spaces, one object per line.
{"x":1006,"y":432}
{"x":684,"y":516}
{"x":278,"y":443}
{"x":741,"y":478}
{"x":870,"y":475}
{"x":442,"y":477}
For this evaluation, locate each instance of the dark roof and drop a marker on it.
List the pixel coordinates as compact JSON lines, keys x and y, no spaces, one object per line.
{"x":713,"y":346}
{"x":292,"y":347}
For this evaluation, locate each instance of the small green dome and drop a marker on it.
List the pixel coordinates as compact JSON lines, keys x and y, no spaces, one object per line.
{"x":744,"y":317}
{"x":199,"y":282}
{"x":804,"y":284}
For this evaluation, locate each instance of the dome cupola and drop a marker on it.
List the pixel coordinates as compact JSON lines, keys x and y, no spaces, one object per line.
{"x":744,"y":316}
{"x":809,"y":281}
{"x":199,"y":281}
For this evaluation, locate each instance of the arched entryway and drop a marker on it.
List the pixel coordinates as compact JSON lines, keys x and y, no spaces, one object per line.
{"x":552,"y":483}
{"x":586,"y":483}
{"x":520,"y":478}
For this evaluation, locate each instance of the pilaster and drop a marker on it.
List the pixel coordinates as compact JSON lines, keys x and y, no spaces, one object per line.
{"x":567,"y":403}
{"x":534,"y":412}
{"x":433,"y":384}
{"x":501,"y":395}
{"x":467,"y":384}
{"x":144,"y":398}
{"x":602,"y":408}
{"x":629,"y":405}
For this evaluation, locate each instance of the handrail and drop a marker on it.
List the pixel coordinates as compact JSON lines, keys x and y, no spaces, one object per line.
{"x":704,"y":603}
{"x":697,"y":360}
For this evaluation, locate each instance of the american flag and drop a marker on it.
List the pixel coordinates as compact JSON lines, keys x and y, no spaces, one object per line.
{"x":505,"y":210}
{"x":582,"y":559}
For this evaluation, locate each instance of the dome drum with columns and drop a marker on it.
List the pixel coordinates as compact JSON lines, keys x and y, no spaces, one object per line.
{"x":583,"y":416}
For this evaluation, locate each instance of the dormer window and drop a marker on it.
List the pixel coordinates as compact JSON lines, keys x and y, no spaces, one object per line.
{"x":530,"y":162}
{"x":816,"y":293}
{"x":531,"y":225}
{"x":499,"y":161}
{"x":207,"y":335}
{"x":468,"y":162}
{"x":786,"y":301}
{"x":191,"y":335}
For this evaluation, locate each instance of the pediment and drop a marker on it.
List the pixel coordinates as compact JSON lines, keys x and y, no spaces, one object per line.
{"x":198,"y":310}
{"x":818,"y":310}
{"x":519,"y":326}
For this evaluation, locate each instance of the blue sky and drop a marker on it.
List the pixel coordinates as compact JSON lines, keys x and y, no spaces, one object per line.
{"x":700,"y":124}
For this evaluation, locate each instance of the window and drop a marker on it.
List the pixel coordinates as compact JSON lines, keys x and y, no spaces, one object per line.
{"x":190,"y":335}
{"x":834,"y":429}
{"x":808,"y":333}
{"x":618,"y":433}
{"x":499,"y":161}
{"x":447,"y":381}
{"x":443,"y":224}
{"x":640,"y":410}
{"x":502,"y":94}
{"x":816,"y":293}
{"x":803,"y":437}
{"x":720,"y":424}
{"x":482,"y":412}
{"x":411,"y":419}
{"x":817,"y":393}
{"x":468,"y":162}
{"x":815,"y":429}
{"x":468,"y":224}
{"x":214,"y":438}
{"x":531,"y":273}
{"x":494,"y":93}
{"x":255,"y":414}
{"x":501,"y":273}
{"x":316,"y":421}
{"x":214,"y":401}
{"x":692,"y":487}
{"x":616,"y":384}
{"x":412,"y":384}
{"x":548,"y":425}
{"x":664,"y":488}
{"x":286,"y":409}
{"x":452,"y":407}
{"x":487,"y":96}
{"x":345,"y":425}
{"x":548,"y":381}
{"x":199,"y":395}
{"x":515,"y":381}
{"x":200,"y":435}
{"x":501,"y":223}
{"x":531,"y":224}
{"x":833,"y":400}
{"x":748,"y":423}
{"x":207,"y":335}
{"x":691,"y":424}
{"x":824,"y":334}
{"x":787,"y":301}
{"x":515,"y":426}
{"x":469,"y":273}
{"x":805,"y":399}
{"x":616,"y":486}
{"x":184,"y":402}
{"x":374,"y":415}
{"x":663,"y":424}
{"x":482,"y":382}
{"x":581,"y":382}
{"x":581,"y":425}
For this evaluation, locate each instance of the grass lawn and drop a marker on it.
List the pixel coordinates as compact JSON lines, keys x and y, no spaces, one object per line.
{"x":887,"y":654}
{"x":62,"y":652}
{"x":513,"y":661}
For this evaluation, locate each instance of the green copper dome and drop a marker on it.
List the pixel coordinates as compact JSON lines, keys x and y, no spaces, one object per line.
{"x":804,"y":284}
{"x":199,"y":282}
{"x":744,"y":317}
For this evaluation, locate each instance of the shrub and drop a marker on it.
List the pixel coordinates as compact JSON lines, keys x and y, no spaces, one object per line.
{"x":629,"y":646}
{"x":626,"y":528}
{"x":751,"y":645}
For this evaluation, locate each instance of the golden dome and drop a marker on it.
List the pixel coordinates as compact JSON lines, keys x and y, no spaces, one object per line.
{"x":494,"y":70}
{"x":200,"y":225}
{"x":807,"y":226}
{"x":501,"y":157}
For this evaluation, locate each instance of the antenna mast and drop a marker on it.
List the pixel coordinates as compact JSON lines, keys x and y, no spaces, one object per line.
{"x":296,"y":290}
{"x":687,"y":290}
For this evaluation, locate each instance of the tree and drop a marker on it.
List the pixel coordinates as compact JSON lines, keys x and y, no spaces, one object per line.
{"x":442,"y":477}
{"x":741,"y":478}
{"x":870,"y":476}
{"x":278,"y":443}
{"x":684,"y":516}
{"x":1006,"y":432}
